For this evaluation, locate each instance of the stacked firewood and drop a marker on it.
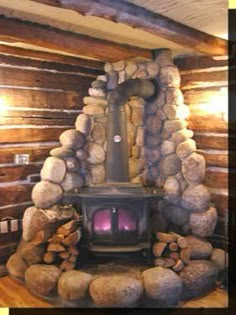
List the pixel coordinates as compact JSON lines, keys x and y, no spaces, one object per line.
{"x":62,"y":248}
{"x":171,"y":250}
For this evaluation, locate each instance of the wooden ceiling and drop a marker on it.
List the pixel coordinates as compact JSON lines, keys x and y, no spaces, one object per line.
{"x":107,"y":30}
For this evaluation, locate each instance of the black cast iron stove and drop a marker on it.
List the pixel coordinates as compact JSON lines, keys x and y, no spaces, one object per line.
{"x":116,"y":215}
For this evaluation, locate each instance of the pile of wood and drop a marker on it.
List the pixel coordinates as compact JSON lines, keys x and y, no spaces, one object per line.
{"x":62,"y":249}
{"x":171,"y":250}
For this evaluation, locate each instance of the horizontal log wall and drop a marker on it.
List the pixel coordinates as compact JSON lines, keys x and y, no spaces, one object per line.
{"x":201,"y":80}
{"x":39,"y":100}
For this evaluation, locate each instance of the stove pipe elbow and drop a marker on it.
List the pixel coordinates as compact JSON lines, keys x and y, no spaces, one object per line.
{"x":117,"y":162}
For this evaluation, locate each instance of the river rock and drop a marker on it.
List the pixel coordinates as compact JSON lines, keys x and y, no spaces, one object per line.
{"x":121,"y":76}
{"x":196,"y":198}
{"x":93,"y":110}
{"x":170,"y":164}
{"x":137,"y":116}
{"x":153,"y":124}
{"x":153,"y":141}
{"x":97,"y":173}
{"x":74,"y":285}
{"x":108,"y":67}
{"x":99,"y":84}
{"x":42,"y":279}
{"x":182,"y":111}
{"x":89,"y":100}
{"x":181,"y":135}
{"x":131,"y":133}
{"x":193,"y":168}
{"x":176,"y":215}
{"x":170,"y":111}
{"x":164,"y":57}
{"x":72,"y":164}
{"x":198,"y":277}
{"x":200,"y":248}
{"x":61,"y":153}
{"x":174,"y":96}
{"x":72,"y":181}
{"x":185,"y":148}
{"x":220,"y":258}
{"x":153,"y":69}
{"x":174,"y":125}
{"x":161,"y":98}
{"x":119,"y":65}
{"x":167,"y":147}
{"x":32,"y":254}
{"x":81,"y":154}
{"x":72,"y":139}
{"x":45,"y":194}
{"x":97,"y":92}
{"x":152,"y":154}
{"x":151,"y":108}
{"x":115,"y":291}
{"x":203,"y":224}
{"x":99,"y":133}
{"x":96,"y":153}
{"x":135,"y":151}
{"x":53,"y":170}
{"x":169,"y":75}
{"x":149,"y":176}
{"x":84,"y":124}
{"x":172,"y":187}
{"x":16,"y":266}
{"x":161,"y":114}
{"x":162,"y":285}
{"x":131,"y":68}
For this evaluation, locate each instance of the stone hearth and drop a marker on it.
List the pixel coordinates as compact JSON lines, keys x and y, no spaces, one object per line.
{"x":51,"y":258}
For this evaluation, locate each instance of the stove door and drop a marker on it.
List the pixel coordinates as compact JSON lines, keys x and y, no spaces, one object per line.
{"x":127,"y":226}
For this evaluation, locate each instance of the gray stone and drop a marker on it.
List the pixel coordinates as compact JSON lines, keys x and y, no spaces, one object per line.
{"x":193,"y":168}
{"x":115,"y":291}
{"x":162,"y":285}
{"x":81,"y":154}
{"x":172,"y":188}
{"x":72,"y":139}
{"x":74,"y":285}
{"x":97,"y":92}
{"x":97,"y":173}
{"x":153,"y":141}
{"x":53,"y":170}
{"x":151,"y":108}
{"x":161,"y":98}
{"x":32,"y":254}
{"x":72,"y":181}
{"x":153,"y":69}
{"x":196,"y":198}
{"x":200,"y":248}
{"x":102,"y":77}
{"x":170,"y":164}
{"x":176,"y":215}
{"x":203,"y":224}
{"x":151,"y":154}
{"x":112,"y":80}
{"x":72,"y":165}
{"x":96,"y":153}
{"x":99,"y":133}
{"x":62,"y":153}
{"x":93,"y":110}
{"x":220,"y":258}
{"x":164,"y":57}
{"x":153,"y":124}
{"x":17,"y":266}
{"x":45,"y":194}
{"x":174,"y":125}
{"x":167,"y":147}
{"x":169,"y":75}
{"x":185,"y":148}
{"x":84,"y":124}
{"x":199,"y":277}
{"x":99,"y":84}
{"x":149,"y":176}
{"x":174,"y":96}
{"x":42,"y":279}
{"x":181,"y":135}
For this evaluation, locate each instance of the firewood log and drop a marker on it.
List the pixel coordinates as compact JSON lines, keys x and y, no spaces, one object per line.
{"x":173,"y":246}
{"x":49,"y":257}
{"x":73,"y":250}
{"x":179,"y":265}
{"x":66,"y":265}
{"x":174,"y":255}
{"x":55,"y":248}
{"x":46,"y":233}
{"x":166,"y":237}
{"x":72,"y":239}
{"x":164,"y":262}
{"x":56,"y":238}
{"x":68,"y":228}
{"x":64,"y":255}
{"x":72,"y":258}
{"x":185,"y":255}
{"x":158,"y":249}
{"x":182,"y":242}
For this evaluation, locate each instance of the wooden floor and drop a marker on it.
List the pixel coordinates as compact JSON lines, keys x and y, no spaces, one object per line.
{"x":15,"y":294}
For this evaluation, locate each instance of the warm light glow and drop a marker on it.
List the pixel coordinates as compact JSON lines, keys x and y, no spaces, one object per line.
{"x":2,"y":104}
{"x":182,"y":112}
{"x":219,"y":103}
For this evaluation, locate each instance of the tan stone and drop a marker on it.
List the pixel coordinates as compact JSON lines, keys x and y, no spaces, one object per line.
{"x":169,"y":75}
{"x":131,"y":133}
{"x":89,"y":100}
{"x":84,"y":124}
{"x":171,"y":111}
{"x":99,"y":133}
{"x":93,"y":110}
{"x":96,"y":153}
{"x":61,"y":153}
{"x":135,"y":167}
{"x":196,"y":198}
{"x":193,"y":168}
{"x":72,"y":139}
{"x":174,"y":125}
{"x":135,"y":151}
{"x":203,"y":224}
{"x":153,"y":69}
{"x":182,"y":135}
{"x":185,"y":148}
{"x":164,"y":57}
{"x":108,"y":67}
{"x":72,"y":181}
{"x":119,"y":65}
{"x":172,"y":186}
{"x":153,"y":124}
{"x":97,"y":173}
{"x":137,"y":115}
{"x":16,"y":266}
{"x":140,"y":138}
{"x":53,"y":170}
{"x":174,"y":96}
{"x":170,"y":164}
{"x":121,"y":76}
{"x":97,"y":92}
{"x":167,"y":147}
{"x":131,"y":68}
{"x":45,"y":194}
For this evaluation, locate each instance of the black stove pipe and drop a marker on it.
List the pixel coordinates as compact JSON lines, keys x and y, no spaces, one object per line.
{"x":117,"y":162}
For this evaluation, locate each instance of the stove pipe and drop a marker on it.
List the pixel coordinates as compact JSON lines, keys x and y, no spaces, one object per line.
{"x":117,"y":162}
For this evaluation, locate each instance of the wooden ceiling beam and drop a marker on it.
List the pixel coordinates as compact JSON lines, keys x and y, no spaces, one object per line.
{"x":51,"y":57}
{"x":138,"y":17}
{"x":15,"y":30}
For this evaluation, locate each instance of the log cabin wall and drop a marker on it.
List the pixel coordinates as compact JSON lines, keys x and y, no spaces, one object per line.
{"x":38,"y":100}
{"x":203,"y":79}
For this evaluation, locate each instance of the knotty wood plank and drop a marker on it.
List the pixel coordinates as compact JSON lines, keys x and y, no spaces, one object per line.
{"x":6,"y":251}
{"x":201,"y":95}
{"x":10,"y":237}
{"x":221,"y":203}
{"x":26,"y":62}
{"x":215,"y":159}
{"x":55,"y":57}
{"x":204,"y":79}
{"x":46,"y":121}
{"x":17,"y":97}
{"x":212,"y":141}
{"x":18,"y":172}
{"x":44,"y":79}
{"x":14,"y":211}
{"x":138,"y":17}
{"x":216,"y":178}
{"x":22,"y":135}
{"x":15,"y":194}
{"x":208,"y":123}
{"x":198,"y":62}
{"x":36,"y":153}
{"x":48,"y":37}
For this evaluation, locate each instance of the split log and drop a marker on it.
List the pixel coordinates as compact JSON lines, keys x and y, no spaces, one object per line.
{"x":66,"y":265}
{"x":55,"y":248}
{"x":178,"y":266}
{"x":72,"y":258}
{"x":49,"y":257}
{"x":166,"y":237}
{"x":164,"y":262}
{"x":56,"y":238}
{"x":68,"y":228}
{"x":185,"y":255}
{"x":182,"y":242}
{"x":64,"y":255}
{"x":173,"y":246}
{"x":174,"y":255}
{"x":72,"y":239}
{"x":73,"y":250}
{"x":158,"y":249}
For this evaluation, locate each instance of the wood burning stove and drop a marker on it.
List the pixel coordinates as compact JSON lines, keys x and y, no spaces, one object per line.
{"x":116,"y":214}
